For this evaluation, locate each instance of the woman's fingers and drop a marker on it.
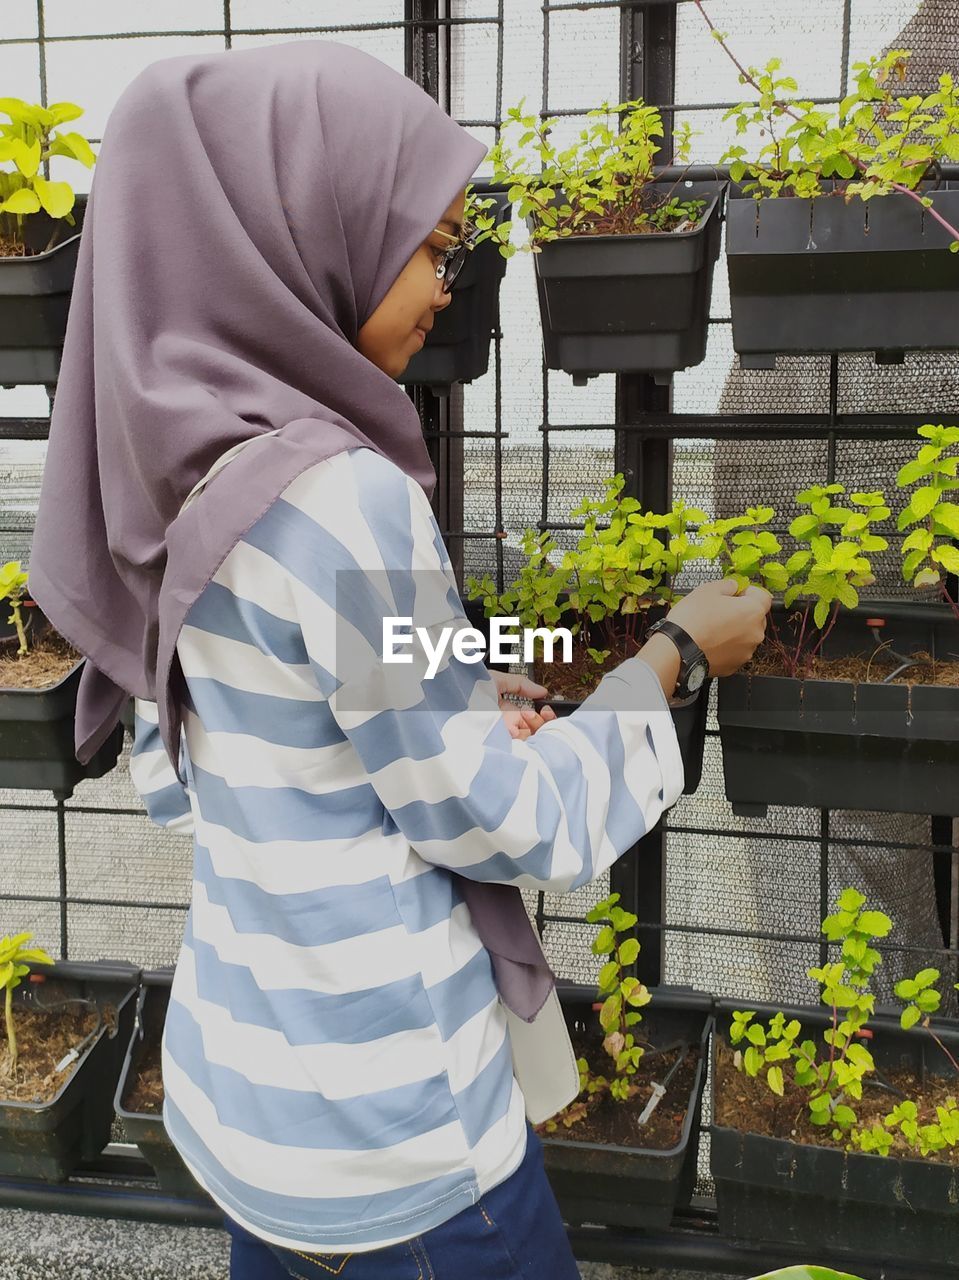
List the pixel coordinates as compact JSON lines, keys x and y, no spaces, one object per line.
{"x":526,"y":720}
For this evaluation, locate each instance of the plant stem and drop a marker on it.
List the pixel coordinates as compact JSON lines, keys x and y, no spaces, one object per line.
{"x":11,"y":1030}
{"x":21,"y":631}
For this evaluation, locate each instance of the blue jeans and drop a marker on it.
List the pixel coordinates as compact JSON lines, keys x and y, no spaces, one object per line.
{"x":514,"y":1232}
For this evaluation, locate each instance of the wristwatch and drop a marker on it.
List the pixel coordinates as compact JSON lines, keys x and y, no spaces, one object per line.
{"x":694,"y":665}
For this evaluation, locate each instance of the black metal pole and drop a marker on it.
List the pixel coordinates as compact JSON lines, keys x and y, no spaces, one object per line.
{"x":647,"y":62}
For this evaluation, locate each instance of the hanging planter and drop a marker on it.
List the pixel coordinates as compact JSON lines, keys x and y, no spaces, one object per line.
{"x":624,"y":1174}
{"x":826,"y":1199}
{"x":48,"y":1129}
{"x":849,"y":743}
{"x":820,"y":275}
{"x":631,"y":303}
{"x":457,"y":348}
{"x":40,"y":224}
{"x":38,"y":698}
{"x":139,"y":1093}
{"x":624,"y":260}
{"x":35,"y":298}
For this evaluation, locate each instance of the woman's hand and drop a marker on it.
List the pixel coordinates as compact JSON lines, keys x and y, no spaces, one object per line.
{"x":521,"y":721}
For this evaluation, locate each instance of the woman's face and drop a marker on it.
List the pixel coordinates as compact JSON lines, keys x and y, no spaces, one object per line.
{"x":398,"y":327}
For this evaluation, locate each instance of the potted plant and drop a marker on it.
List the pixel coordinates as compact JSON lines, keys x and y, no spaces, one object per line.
{"x":457,"y":347}
{"x":624,"y":1152}
{"x":836,"y":1127}
{"x":139,"y":1093}
{"x":65,"y":1031}
{"x":624,"y":261}
{"x":838,"y":230}
{"x":39,"y":678}
{"x":40,"y":225}
{"x":847,"y":704}
{"x":606,"y":591}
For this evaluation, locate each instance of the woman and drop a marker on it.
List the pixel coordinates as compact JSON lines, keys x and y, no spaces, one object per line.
{"x":269,"y":237}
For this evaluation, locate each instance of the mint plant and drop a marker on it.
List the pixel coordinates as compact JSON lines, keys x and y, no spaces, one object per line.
{"x":623,"y":566}
{"x":831,"y":1076}
{"x":599,"y":185}
{"x":929,"y":551}
{"x":15,"y":961}
{"x":876,"y":143}
{"x":832,"y":1073}
{"x":26,"y":141}
{"x":13,"y":586}
{"x":825,"y":573}
{"x":622,"y":997}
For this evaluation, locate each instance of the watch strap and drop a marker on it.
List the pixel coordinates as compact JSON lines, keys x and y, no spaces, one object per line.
{"x":689,"y":651}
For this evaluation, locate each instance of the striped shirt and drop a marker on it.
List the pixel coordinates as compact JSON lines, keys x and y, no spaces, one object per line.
{"x":336,"y":1060}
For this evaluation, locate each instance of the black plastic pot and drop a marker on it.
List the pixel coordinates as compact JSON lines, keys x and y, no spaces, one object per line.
{"x":631,"y":1186}
{"x":631,"y":304}
{"x":36,"y":739}
{"x":820,"y":275}
{"x":48,"y":1140}
{"x":457,"y":348}
{"x":144,"y":1128}
{"x":35,"y":299}
{"x":827,"y":1200}
{"x":835,"y":744}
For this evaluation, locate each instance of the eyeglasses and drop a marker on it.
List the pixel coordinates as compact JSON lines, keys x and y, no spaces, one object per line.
{"x":454,"y":258}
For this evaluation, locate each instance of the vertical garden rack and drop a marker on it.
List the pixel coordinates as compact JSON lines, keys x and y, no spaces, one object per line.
{"x":644,"y":431}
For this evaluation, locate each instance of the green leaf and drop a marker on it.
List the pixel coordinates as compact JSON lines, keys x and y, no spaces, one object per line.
{"x":22,"y":201}
{"x":56,"y":197}
{"x":628,"y":951}
{"x":923,"y":501}
{"x":604,"y":942}
{"x":948,"y":557}
{"x":876,"y":923}
{"x":774,"y":1078}
{"x":946,"y":514}
{"x":909,"y":1017}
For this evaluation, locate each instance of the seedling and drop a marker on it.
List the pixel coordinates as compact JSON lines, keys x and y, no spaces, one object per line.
{"x":13,"y":586}
{"x":26,"y":142}
{"x":15,"y":961}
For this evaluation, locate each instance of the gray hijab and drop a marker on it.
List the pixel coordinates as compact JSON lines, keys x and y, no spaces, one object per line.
{"x":249,"y":210}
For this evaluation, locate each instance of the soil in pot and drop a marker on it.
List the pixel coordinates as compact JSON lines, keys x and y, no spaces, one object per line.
{"x":145,"y":1092}
{"x":49,"y":658}
{"x":617,"y":1123}
{"x":44,"y":1038}
{"x":577,"y":679}
{"x":748,"y":1104}
{"x":863,"y":669}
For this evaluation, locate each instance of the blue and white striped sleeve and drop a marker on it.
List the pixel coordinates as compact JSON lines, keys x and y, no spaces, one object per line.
{"x":551,"y":812}
{"x":167,"y":800}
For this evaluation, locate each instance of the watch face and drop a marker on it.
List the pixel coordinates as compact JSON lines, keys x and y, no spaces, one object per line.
{"x":696,"y":677}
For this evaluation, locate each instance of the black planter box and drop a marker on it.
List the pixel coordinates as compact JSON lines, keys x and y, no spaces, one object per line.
{"x":820,"y":275}
{"x":144,"y":1128}
{"x":48,"y":1140}
{"x":36,"y":739}
{"x":457,"y":348}
{"x":825,"y":1200}
{"x":630,"y":304}
{"x":627,"y":1186}
{"x":35,"y":299}
{"x":834,"y":744}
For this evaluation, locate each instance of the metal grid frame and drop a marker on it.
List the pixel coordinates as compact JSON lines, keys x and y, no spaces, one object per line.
{"x":645,"y":428}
